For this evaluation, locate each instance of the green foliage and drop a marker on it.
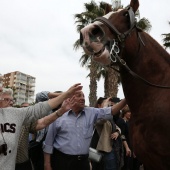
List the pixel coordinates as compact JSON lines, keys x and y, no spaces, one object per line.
{"x":166,"y":40}
{"x":144,"y":24}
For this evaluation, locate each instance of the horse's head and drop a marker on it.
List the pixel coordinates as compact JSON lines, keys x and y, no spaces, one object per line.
{"x":102,"y":38}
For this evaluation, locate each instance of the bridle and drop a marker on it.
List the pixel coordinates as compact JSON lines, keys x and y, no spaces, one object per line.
{"x":116,"y":53}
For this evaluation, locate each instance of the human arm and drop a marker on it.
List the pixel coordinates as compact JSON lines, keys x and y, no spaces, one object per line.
{"x":47,"y":161}
{"x":45,"y":121}
{"x":124,"y":135}
{"x":48,"y":145}
{"x":117,"y":107}
{"x":53,"y":94}
{"x":128,"y":151}
{"x":45,"y":95}
{"x":41,"y":109}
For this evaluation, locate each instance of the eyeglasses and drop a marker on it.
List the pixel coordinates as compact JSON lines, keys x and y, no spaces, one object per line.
{"x":8,"y":100}
{"x":3,"y":149}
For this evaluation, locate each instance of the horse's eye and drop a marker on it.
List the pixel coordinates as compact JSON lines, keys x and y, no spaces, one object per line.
{"x":126,"y":14}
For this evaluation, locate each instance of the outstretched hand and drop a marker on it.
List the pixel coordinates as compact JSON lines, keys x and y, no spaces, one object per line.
{"x":76,"y":88}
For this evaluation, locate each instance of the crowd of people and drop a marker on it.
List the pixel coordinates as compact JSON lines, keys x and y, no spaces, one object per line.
{"x":57,"y":131}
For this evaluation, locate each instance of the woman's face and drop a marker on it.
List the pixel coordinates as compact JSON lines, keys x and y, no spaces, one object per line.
{"x":128,"y":115}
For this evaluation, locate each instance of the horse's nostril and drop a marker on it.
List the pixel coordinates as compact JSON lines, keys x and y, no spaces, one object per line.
{"x":96,"y":34}
{"x":86,"y":43}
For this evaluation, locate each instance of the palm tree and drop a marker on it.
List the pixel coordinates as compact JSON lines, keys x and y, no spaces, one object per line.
{"x":92,"y":10}
{"x":144,"y":24}
{"x":166,"y":40}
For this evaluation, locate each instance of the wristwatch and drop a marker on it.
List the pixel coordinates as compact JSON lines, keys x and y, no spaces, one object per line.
{"x":58,"y":113}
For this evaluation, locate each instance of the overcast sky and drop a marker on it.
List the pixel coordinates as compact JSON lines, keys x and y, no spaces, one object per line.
{"x":37,"y":37}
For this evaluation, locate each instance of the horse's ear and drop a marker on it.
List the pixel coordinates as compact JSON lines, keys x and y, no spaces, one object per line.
{"x":135,"y":5}
{"x":108,"y":8}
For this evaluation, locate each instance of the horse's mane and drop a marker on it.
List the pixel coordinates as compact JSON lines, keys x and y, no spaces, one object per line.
{"x":158,"y":48}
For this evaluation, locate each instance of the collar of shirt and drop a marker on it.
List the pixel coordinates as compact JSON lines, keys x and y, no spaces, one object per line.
{"x":80,"y":113}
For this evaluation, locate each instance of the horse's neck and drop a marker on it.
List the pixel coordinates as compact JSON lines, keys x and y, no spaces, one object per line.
{"x":145,"y":56}
{"x":150,"y":62}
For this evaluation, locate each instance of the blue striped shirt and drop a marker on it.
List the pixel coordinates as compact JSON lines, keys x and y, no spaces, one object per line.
{"x":72,"y":134}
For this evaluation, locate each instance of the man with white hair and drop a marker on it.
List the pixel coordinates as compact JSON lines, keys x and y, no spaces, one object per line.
{"x":6,"y":97}
{"x":12,"y":119}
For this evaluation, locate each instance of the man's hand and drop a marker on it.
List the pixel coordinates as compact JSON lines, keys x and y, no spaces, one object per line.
{"x":74,"y":89}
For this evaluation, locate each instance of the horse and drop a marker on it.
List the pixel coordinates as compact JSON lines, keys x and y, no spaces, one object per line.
{"x":144,"y":67}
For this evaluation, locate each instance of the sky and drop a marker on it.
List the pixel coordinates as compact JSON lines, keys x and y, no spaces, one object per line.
{"x":37,"y":37}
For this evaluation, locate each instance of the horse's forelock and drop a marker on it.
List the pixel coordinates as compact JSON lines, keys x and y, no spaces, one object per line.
{"x":107,"y":16}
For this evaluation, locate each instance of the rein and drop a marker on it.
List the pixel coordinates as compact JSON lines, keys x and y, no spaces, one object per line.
{"x":114,"y":52}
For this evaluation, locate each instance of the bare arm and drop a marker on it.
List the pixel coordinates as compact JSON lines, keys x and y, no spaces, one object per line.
{"x":47,"y":120}
{"x":47,"y":161}
{"x":117,"y":107}
{"x":128,"y":151}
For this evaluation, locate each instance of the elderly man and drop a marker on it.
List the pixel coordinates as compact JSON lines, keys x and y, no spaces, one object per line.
{"x":12,"y":119}
{"x":69,"y":137}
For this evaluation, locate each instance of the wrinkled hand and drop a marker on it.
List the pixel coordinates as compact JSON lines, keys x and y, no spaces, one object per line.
{"x":72,"y":101}
{"x":114,"y":135}
{"x":76,"y":88}
{"x":65,"y":105}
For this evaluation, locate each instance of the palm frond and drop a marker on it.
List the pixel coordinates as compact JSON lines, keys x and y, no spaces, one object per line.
{"x":166,"y":40}
{"x":144,"y":24}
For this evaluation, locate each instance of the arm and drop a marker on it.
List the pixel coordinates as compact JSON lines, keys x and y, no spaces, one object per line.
{"x":122,"y":126}
{"x":128,"y":151}
{"x":117,"y":107}
{"x":48,"y":146}
{"x":41,"y":109}
{"x":47,"y":161}
{"x":53,"y":94}
{"x":45,"y":121}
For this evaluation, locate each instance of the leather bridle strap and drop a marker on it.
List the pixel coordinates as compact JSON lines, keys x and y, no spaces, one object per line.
{"x":142,"y":79}
{"x":121,"y":36}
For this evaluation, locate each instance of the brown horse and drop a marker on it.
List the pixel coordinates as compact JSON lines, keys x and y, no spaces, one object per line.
{"x":145,"y":75}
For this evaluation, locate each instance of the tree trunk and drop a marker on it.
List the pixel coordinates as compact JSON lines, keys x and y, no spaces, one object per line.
{"x":93,"y":84}
{"x":111,"y":83}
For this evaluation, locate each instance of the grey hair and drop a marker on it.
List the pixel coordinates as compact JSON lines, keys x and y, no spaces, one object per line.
{"x":6,"y":91}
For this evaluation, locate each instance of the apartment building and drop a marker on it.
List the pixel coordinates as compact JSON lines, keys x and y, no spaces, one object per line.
{"x":22,"y":84}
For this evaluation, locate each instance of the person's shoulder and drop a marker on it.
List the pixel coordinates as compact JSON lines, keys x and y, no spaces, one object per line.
{"x":89,"y":108}
{"x":42,"y":96}
{"x":120,"y":120}
{"x":14,"y":110}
